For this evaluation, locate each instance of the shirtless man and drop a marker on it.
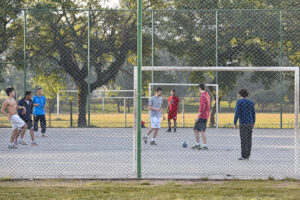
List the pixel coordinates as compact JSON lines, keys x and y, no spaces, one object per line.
{"x":10,"y":109}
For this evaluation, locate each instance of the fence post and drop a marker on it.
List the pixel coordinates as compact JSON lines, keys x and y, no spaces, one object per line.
{"x":152,"y":59}
{"x":280,"y":64}
{"x":25,"y":59}
{"x":139,"y":84}
{"x":57,"y":105}
{"x":296,"y":136}
{"x":71,"y":114}
{"x":125,"y":112}
{"x":182,"y":107}
{"x":217,"y":47}
{"x":89,"y":81}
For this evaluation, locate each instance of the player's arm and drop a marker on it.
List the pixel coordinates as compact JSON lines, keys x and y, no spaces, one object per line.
{"x":236,"y":114}
{"x":44,"y":103}
{"x":34,"y":103}
{"x":150,"y":106}
{"x":20,"y":110}
{"x":253,"y":114}
{"x":202,"y":107}
{"x":162,"y":113}
{"x":3,"y":109}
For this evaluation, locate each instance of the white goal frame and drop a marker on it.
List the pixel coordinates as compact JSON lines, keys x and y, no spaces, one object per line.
{"x":187,"y":84}
{"x":70,"y":91}
{"x":295,"y":70}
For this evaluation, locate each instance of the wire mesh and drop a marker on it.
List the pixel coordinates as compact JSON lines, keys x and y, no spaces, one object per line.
{"x":71,"y":53}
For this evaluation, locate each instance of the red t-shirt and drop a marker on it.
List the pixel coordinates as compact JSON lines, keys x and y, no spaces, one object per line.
{"x":173,"y":103}
{"x":204,"y":107}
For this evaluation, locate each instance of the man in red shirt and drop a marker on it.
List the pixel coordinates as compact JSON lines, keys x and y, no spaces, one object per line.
{"x":173,"y":109}
{"x":201,"y":119}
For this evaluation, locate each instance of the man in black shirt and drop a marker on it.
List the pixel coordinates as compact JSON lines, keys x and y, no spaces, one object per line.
{"x":27,"y":116}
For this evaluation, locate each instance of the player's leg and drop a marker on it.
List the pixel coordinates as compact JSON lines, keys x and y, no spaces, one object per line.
{"x":14,"y":134}
{"x":197,"y":135}
{"x":35,"y":124}
{"x":175,"y":122}
{"x":248,"y":141}
{"x":17,"y":137}
{"x":243,"y":136}
{"x":203,"y":123}
{"x":153,"y":141}
{"x":22,"y":133}
{"x":169,"y":123}
{"x":30,"y":127}
{"x":145,"y":138}
{"x":43,"y":125}
{"x":157,"y":127}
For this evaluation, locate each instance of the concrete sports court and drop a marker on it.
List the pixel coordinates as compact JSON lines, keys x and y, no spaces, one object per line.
{"x":108,"y":153}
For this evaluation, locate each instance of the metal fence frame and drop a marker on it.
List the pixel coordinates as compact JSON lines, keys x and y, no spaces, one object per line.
{"x":137,"y":150}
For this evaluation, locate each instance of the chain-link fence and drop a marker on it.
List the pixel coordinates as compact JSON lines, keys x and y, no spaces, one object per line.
{"x":84,"y":62}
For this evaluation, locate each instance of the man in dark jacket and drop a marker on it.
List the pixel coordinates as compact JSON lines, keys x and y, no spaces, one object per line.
{"x":27,"y":116}
{"x":245,"y":113}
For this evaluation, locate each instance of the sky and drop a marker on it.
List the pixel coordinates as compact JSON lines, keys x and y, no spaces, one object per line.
{"x":113,"y":3}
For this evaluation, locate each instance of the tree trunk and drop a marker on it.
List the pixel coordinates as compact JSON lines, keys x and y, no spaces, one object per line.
{"x":128,"y":107}
{"x":82,"y":101}
{"x":118,"y":106}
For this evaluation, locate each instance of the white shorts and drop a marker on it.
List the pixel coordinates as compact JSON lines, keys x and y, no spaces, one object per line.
{"x":155,"y":122}
{"x":16,"y":122}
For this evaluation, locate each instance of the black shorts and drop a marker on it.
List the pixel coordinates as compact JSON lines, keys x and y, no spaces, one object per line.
{"x":200,"y":125}
{"x":28,"y":123}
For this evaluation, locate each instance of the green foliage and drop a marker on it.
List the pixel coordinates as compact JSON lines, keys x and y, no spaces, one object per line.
{"x":51,"y":83}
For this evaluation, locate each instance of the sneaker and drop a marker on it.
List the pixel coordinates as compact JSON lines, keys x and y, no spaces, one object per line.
{"x":169,"y":130}
{"x":145,"y":139}
{"x":174,"y":130}
{"x":12,"y":147}
{"x":243,"y":158}
{"x":22,"y":143}
{"x":34,"y":144}
{"x":196,"y":147}
{"x":15,"y":142}
{"x":153,"y":143}
{"x":44,"y":136}
{"x":203,"y":148}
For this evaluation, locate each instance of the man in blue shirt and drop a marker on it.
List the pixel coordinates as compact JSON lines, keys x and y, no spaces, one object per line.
{"x":39,"y":103}
{"x":245,"y":113}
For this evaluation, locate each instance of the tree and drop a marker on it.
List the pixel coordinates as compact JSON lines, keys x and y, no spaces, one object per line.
{"x":8,"y":14}
{"x":51,"y":84}
{"x":62,"y":37}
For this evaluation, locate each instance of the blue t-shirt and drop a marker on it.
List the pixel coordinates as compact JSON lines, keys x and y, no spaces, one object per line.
{"x":39,"y":110}
{"x":245,"y":112}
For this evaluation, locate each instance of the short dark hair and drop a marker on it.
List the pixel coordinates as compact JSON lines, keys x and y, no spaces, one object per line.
{"x":27,"y":93}
{"x":39,"y":88}
{"x":244,"y":92}
{"x":202,"y":86}
{"x":173,"y":90}
{"x":158,"y":89}
{"x":9,"y":90}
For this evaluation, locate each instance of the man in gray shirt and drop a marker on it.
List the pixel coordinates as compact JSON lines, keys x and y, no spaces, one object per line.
{"x":155,"y":104}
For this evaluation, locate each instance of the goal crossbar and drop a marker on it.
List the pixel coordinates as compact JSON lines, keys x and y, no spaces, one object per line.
{"x":189,"y":84}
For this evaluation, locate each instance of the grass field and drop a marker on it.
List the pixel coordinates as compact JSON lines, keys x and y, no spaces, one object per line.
{"x":155,"y":189}
{"x":264,"y":120}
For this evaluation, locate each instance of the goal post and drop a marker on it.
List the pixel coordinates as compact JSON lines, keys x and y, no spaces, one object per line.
{"x":137,"y":113}
{"x":101,"y":91}
{"x":188,"y":84}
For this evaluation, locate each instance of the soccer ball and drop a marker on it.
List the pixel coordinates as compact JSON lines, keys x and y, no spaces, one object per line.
{"x":184,"y":145}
